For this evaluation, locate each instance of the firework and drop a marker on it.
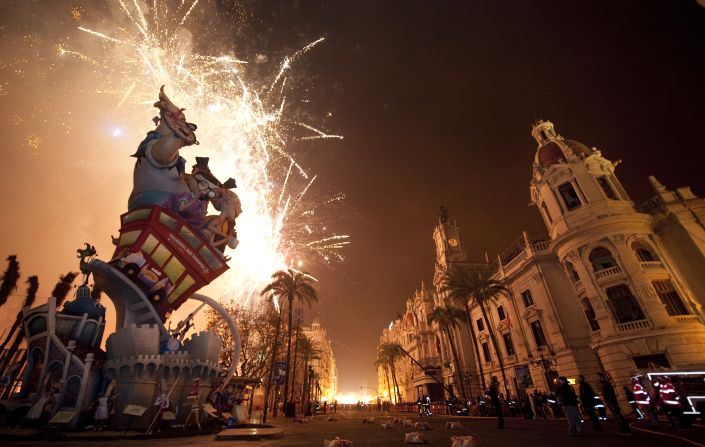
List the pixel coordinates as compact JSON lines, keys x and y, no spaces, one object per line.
{"x":243,"y":134}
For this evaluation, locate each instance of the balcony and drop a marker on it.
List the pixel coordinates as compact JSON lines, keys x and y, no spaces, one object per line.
{"x":634,"y":325}
{"x":430,"y":362}
{"x":607,"y":273}
{"x":688,"y":319}
{"x":652,"y":265}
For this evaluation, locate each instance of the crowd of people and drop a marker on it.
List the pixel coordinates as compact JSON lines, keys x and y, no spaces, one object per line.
{"x":578,"y":405}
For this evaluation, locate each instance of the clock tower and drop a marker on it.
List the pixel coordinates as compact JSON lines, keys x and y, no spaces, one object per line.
{"x":449,"y":247}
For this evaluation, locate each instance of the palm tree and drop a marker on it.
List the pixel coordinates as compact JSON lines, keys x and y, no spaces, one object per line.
{"x":275,"y":348}
{"x":291,"y":285}
{"x":63,"y":287}
{"x":296,"y":350}
{"x":381,"y":362}
{"x":33,"y":286}
{"x":392,"y":352}
{"x":9,"y":279}
{"x":309,"y":351}
{"x":476,"y":286}
{"x":447,"y":319}
{"x":6,"y":357}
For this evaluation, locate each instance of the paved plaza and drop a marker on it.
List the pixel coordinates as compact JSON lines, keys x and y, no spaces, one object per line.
{"x":518,"y":433}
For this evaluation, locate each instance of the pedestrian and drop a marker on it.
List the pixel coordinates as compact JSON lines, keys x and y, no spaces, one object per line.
{"x":565,"y":397}
{"x":610,"y":398}
{"x":496,"y":404}
{"x":631,"y":400}
{"x":325,"y":407}
{"x":588,"y":398}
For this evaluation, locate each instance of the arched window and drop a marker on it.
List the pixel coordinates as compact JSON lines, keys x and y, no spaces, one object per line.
{"x":602,"y":259}
{"x":572,"y":272}
{"x":644,"y":253}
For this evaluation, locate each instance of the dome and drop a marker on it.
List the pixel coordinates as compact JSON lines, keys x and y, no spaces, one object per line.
{"x":550,"y":154}
{"x":578,"y":148}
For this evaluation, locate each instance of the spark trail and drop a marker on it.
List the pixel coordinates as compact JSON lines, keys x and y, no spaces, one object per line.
{"x":244,"y":137}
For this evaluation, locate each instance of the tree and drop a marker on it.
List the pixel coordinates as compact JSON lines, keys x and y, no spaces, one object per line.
{"x":6,"y":358}
{"x":63,"y":287}
{"x":391,"y":352}
{"x":299,"y":317}
{"x":476,"y":286}
{"x":308,"y":350}
{"x":291,"y":285}
{"x":275,"y":349}
{"x":380,"y":362}
{"x":257,"y":329}
{"x":9,"y":279}
{"x":447,"y":319}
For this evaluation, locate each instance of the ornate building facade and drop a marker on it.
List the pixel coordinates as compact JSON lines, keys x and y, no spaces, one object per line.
{"x":613,"y":286}
{"x":324,"y":364}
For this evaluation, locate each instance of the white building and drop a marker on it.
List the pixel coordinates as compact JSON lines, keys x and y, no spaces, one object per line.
{"x":324,"y":364}
{"x":613,"y":286}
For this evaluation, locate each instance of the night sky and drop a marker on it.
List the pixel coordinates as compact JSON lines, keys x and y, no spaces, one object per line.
{"x":435,"y":100}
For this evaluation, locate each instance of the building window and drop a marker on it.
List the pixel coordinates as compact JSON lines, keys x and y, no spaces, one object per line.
{"x":623,"y":304}
{"x":480,"y":325}
{"x":670,"y":298}
{"x":606,"y":187}
{"x":570,"y":197}
{"x":572,"y":272}
{"x":508,"y":344}
{"x":537,"y":330}
{"x":643,"y":253}
{"x":602,"y":259}
{"x":546,"y":213}
{"x":590,"y":315}
{"x":527,"y":298}
{"x":649,"y":361}
{"x":486,"y":352}
{"x":500,"y":313}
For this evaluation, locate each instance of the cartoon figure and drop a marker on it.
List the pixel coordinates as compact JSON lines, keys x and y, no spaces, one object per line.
{"x":159,"y":170}
{"x":162,"y":403}
{"x":192,"y":404}
{"x":104,"y":406}
{"x":43,"y":407}
{"x":220,"y":230}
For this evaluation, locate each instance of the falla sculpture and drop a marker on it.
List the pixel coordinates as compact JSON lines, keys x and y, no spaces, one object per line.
{"x":168,"y":247}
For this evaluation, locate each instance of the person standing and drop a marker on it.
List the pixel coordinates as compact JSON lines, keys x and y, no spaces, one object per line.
{"x":565,"y":396}
{"x":588,"y":397}
{"x":610,"y":398}
{"x":496,"y":403}
{"x":631,"y":400}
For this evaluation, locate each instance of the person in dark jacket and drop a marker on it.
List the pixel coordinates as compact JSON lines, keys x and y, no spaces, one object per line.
{"x":588,"y":398}
{"x":565,"y":396}
{"x":610,"y":398}
{"x":496,"y":404}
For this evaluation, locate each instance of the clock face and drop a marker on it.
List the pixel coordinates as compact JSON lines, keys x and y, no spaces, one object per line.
{"x":453,"y":242}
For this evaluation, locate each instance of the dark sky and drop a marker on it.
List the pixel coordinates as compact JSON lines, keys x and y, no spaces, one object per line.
{"x":436,"y":100}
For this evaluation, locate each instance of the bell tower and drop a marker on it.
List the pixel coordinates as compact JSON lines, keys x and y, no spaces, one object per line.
{"x":449,"y":247}
{"x":573,"y":184}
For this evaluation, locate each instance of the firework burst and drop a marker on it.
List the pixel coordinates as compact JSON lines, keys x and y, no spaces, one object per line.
{"x":245,"y":131}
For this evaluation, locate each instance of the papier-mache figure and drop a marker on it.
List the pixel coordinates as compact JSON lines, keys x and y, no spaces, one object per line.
{"x":159,"y":178}
{"x":43,"y":407}
{"x":159,"y":170}
{"x":104,"y":406}
{"x":193,"y":407}
{"x":162,"y":403}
